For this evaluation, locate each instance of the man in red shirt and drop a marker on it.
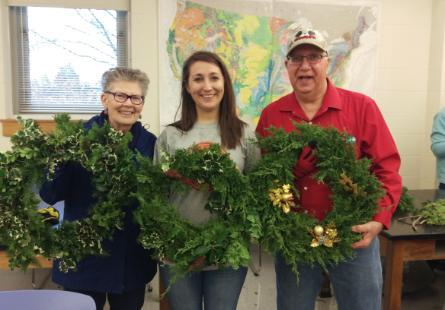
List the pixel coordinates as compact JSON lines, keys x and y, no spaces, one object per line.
{"x":357,"y":283}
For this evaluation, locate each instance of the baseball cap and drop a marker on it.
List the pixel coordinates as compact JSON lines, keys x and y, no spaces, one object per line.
{"x":303,"y":35}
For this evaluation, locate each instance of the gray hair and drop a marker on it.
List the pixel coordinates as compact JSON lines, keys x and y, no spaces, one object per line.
{"x":125,"y":74}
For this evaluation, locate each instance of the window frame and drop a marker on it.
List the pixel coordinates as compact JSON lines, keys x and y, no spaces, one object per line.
{"x":20,"y":54}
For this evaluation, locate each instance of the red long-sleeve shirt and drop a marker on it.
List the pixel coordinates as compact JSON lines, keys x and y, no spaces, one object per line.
{"x":360,"y":117}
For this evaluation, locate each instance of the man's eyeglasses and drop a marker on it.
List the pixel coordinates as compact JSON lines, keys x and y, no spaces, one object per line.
{"x":122,"y":97}
{"x":311,"y":58}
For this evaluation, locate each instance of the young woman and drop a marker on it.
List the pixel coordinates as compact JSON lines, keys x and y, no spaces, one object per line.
{"x":208,"y":114}
{"x":122,"y":275}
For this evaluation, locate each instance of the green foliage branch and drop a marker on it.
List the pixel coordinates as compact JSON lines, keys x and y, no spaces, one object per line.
{"x":406,"y":203}
{"x":431,"y":212}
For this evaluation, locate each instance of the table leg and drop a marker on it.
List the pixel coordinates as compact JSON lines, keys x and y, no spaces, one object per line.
{"x":392,"y":286}
{"x":163,"y":303}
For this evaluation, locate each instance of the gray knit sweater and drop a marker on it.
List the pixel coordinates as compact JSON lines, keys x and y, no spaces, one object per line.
{"x":191,"y":204}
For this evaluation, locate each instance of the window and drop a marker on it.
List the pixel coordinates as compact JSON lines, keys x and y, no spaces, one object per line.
{"x":59,"y":55}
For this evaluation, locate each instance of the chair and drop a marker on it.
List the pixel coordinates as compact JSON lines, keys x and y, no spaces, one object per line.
{"x":45,"y":300}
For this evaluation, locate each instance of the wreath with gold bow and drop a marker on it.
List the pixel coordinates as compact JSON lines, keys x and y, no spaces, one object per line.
{"x":222,"y":241}
{"x":35,"y":157}
{"x":299,"y":237}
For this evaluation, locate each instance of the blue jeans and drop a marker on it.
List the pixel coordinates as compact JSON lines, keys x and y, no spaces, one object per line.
{"x":216,"y":289}
{"x":357,"y":283}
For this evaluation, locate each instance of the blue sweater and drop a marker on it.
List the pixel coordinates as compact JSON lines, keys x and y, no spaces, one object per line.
{"x":438,"y":143}
{"x":128,"y":265}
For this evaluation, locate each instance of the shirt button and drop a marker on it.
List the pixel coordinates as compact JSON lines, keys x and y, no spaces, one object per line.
{"x":305,"y":188}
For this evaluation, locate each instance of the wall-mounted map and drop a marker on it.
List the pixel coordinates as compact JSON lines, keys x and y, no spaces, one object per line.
{"x":251,"y":36}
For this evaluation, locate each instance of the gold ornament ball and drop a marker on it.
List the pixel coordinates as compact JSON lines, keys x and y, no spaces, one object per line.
{"x":318,"y":230}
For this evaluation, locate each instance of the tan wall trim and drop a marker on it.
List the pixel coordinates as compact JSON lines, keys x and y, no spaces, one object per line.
{"x":11,"y":126}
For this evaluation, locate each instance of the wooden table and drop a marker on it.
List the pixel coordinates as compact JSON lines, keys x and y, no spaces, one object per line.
{"x":42,"y":262}
{"x":402,"y":244}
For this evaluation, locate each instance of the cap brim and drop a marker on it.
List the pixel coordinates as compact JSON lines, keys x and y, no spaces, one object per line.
{"x":306,"y":42}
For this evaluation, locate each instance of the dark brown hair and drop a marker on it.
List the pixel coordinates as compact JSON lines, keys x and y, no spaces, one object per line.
{"x":230,"y":126}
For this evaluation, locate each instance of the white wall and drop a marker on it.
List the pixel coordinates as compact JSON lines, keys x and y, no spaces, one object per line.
{"x":403,"y":85}
{"x":144,"y":53}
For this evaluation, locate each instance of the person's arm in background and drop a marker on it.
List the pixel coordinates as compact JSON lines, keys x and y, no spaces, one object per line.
{"x":438,"y":135}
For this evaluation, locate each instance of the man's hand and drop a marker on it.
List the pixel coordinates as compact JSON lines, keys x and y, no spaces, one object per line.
{"x":369,"y":231}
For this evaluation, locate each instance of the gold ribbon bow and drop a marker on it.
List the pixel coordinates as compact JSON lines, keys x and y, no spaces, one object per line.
{"x":282,"y":197}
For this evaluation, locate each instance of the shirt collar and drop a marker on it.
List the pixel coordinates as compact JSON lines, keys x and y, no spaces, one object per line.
{"x":331,"y":99}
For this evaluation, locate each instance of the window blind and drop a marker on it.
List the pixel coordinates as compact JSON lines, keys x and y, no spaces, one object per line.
{"x":59,"y":55}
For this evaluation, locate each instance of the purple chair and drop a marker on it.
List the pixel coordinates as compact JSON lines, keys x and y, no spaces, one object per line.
{"x":45,"y":300}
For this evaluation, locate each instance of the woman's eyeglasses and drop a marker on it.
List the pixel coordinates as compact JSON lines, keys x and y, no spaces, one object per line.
{"x":123,"y":97}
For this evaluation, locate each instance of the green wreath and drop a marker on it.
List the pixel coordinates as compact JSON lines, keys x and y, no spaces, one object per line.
{"x":299,"y":237}
{"x":35,"y":157}
{"x":224,"y":240}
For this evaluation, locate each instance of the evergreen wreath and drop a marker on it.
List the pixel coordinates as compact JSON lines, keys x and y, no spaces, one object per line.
{"x":35,"y":157}
{"x":225,"y":239}
{"x":299,"y":237}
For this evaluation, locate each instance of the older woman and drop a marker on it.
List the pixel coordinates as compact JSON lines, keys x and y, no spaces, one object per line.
{"x":121,"y":276}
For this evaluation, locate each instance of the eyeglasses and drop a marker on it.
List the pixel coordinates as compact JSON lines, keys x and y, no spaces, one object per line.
{"x":311,"y":59}
{"x":122,"y":97}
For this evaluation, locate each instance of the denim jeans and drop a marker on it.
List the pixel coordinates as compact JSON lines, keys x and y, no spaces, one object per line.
{"x":357,"y":283}
{"x":215,"y":289}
